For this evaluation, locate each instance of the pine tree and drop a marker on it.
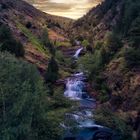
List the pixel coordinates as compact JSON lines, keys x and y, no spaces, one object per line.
{"x":52,"y":71}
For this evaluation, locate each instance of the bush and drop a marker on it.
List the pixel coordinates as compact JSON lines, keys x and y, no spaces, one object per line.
{"x":85,"y":43}
{"x":106,"y":117}
{"x":13,"y":47}
{"x":46,"y":41}
{"x":91,"y":64}
{"x":112,"y":43}
{"x":101,"y":86}
{"x":59,"y":56}
{"x":28,"y":25}
{"x":59,"y":101}
{"x":45,"y":37}
{"x":132,"y":57}
{"x":8,"y":43}
{"x":5,"y":33}
{"x":134,"y":33}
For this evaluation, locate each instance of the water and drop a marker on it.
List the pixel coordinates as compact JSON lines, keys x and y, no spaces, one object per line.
{"x":76,"y":90}
{"x":83,"y":116}
{"x":76,"y":55}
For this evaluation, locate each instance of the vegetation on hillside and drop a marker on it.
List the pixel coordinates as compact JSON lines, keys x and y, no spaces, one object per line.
{"x":26,"y":108}
{"x":34,"y":39}
{"x":8,"y":43}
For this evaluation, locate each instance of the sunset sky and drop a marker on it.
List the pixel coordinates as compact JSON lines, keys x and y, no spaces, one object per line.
{"x":67,"y":8}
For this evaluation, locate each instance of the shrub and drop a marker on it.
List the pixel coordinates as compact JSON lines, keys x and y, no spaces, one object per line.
{"x":45,"y":37}
{"x":134,"y":33}
{"x":13,"y":47}
{"x":8,"y":43}
{"x":5,"y":33}
{"x":28,"y":25}
{"x":91,"y":64}
{"x":59,"y":56}
{"x":101,"y":86}
{"x":112,"y":43}
{"x":106,"y":117}
{"x":85,"y":43}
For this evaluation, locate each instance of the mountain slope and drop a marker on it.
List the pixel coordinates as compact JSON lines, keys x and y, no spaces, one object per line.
{"x":28,"y":25}
{"x":113,"y":31}
{"x":98,"y":20}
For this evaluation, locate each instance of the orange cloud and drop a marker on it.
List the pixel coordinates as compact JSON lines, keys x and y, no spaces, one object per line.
{"x":67,"y":8}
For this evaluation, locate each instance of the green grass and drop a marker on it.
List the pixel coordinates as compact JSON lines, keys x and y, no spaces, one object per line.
{"x":65,"y":44}
{"x":33,"y":39}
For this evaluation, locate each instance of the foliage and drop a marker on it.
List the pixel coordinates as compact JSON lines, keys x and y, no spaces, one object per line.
{"x":5,"y":33}
{"x":46,"y":41}
{"x":112,"y":43}
{"x":98,"y":45}
{"x":60,"y":100}
{"x":13,"y":47}
{"x":91,"y":63}
{"x":132,"y":57}
{"x":129,"y":26}
{"x":59,"y":56}
{"x":52,"y":71}
{"x":134,"y":33}
{"x":22,"y":100}
{"x":8,"y":43}
{"x":28,"y":25}
{"x":62,"y":44}
{"x":45,"y":37}
{"x":102,"y":88}
{"x":85,"y":43}
{"x":106,"y":117}
{"x":131,"y":12}
{"x":33,"y":39}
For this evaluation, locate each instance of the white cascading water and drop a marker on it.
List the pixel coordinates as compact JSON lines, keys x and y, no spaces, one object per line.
{"x":74,"y":85}
{"x":75,"y":90}
{"x":76,"y":55}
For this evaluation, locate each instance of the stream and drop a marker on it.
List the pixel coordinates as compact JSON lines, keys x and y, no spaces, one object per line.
{"x":86,"y":128}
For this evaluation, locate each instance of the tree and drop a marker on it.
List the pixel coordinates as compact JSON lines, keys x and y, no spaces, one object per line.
{"x":108,"y":118}
{"x":46,"y":42}
{"x":52,"y":71}
{"x":5,"y":33}
{"x":26,"y":112}
{"x":13,"y":47}
{"x":112,"y":42}
{"x":8,"y":43}
{"x":91,"y":63}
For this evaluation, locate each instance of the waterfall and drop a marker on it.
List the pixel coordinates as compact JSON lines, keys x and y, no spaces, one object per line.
{"x":74,"y":88}
{"x":83,"y":116}
{"x":76,"y":55}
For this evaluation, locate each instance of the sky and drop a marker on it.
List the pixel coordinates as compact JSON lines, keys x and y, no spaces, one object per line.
{"x":67,"y":8}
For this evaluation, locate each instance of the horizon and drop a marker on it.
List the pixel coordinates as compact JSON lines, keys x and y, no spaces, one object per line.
{"x":73,"y":9}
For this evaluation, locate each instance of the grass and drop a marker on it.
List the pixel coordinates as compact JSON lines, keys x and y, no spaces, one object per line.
{"x":33,"y":39}
{"x":65,"y":44}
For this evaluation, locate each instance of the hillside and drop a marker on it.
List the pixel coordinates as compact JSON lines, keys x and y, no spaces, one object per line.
{"x":98,"y":20}
{"x":28,"y":25}
{"x":104,"y":73}
{"x":113,"y":31}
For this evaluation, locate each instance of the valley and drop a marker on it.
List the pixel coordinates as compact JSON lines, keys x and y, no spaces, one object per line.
{"x":70,"y":79}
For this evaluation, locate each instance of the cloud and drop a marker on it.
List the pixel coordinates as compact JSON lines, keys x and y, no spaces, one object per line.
{"x":67,"y":8}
